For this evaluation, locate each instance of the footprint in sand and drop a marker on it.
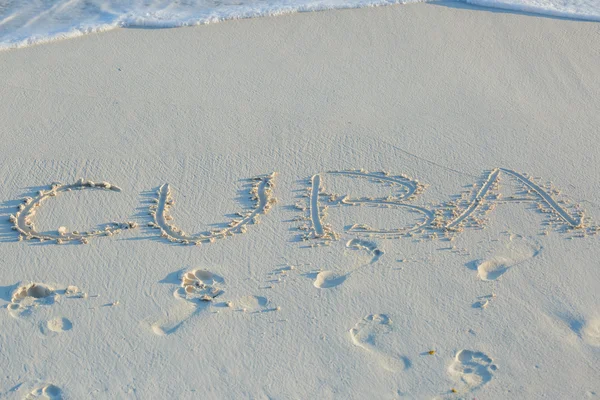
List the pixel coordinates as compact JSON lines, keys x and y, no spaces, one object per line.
{"x":199,"y":285}
{"x":591,"y":332}
{"x":494,"y":268}
{"x":369,"y":247}
{"x":472,"y":368}
{"x":26,"y":298}
{"x":198,"y":288}
{"x":372,"y":334}
{"x":515,"y":251}
{"x":328,"y":279}
{"x":55,"y":326}
{"x":49,"y":391}
{"x":252,"y":303}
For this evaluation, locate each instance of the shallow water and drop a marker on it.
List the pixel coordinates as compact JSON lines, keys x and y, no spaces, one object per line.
{"x":26,"y":22}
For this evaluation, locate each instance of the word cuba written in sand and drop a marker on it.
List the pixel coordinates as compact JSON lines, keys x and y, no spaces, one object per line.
{"x":443,"y":222}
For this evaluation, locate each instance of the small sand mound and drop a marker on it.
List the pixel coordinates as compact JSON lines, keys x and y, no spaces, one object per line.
{"x":591,"y":332}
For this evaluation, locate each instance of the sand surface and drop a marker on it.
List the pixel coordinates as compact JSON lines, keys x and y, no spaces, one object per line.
{"x":435,"y":95}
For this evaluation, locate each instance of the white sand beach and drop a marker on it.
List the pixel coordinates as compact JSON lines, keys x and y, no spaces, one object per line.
{"x":429,"y":232}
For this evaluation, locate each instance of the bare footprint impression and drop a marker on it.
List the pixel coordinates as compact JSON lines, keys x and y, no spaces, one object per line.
{"x":48,"y":391}
{"x":472,"y":369}
{"x":198,"y":290}
{"x":364,"y":245}
{"x":26,"y":299}
{"x":330,"y":279}
{"x":55,"y":326}
{"x":374,"y":334}
{"x":513,"y":252}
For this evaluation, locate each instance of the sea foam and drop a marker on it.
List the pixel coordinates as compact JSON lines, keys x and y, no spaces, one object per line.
{"x":26,"y":22}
